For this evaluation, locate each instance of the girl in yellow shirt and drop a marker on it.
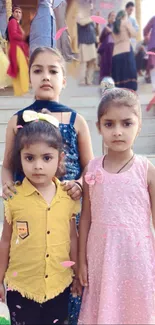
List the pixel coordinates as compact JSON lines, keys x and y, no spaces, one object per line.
{"x":39,"y":239}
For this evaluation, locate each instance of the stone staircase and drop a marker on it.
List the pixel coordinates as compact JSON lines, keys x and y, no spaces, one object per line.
{"x":85,"y":101}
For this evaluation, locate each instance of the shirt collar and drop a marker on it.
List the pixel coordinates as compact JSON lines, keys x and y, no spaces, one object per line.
{"x":29,"y":189}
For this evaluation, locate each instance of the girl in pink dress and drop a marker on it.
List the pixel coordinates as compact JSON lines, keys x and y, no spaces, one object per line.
{"x":116,"y":248}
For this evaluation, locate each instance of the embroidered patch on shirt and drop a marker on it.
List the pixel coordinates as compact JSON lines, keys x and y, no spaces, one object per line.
{"x":22,"y":229}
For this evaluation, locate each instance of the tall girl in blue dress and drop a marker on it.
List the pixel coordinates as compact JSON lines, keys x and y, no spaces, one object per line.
{"x":47,"y":76}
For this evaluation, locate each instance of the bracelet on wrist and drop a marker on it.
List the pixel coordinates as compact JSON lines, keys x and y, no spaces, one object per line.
{"x":79,"y":185}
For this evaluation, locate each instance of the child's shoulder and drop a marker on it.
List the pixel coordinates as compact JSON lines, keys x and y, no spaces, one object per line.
{"x":60,"y":191}
{"x":95,"y":163}
{"x":66,"y":200}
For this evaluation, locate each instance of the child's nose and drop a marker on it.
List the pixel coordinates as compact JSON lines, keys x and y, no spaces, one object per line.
{"x":46,"y":76}
{"x":38,"y":165}
{"x":117,"y":131}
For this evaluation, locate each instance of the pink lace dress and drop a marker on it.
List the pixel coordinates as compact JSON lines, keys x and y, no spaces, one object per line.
{"x":120,"y":248}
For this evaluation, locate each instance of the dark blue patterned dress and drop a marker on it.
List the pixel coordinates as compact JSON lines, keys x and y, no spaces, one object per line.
{"x":73,"y":169}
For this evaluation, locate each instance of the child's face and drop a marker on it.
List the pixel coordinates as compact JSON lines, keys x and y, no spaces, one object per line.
{"x":40,"y":163}
{"x":46,"y":77}
{"x":119,"y":128}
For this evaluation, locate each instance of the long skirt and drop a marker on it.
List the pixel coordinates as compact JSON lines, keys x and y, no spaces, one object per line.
{"x":124,"y":70}
{"x":106,"y":61}
{"x":21,"y":82}
{"x":5,"y":80}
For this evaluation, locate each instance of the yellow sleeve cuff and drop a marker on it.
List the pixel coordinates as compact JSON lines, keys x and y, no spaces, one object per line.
{"x":7,"y":212}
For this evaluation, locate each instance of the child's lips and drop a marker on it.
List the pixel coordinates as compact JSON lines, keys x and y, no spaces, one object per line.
{"x":46,"y":86}
{"x":118,"y":141}
{"x":38,"y":175}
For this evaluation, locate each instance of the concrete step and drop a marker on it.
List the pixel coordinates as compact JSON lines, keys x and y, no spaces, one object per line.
{"x":145,"y":144}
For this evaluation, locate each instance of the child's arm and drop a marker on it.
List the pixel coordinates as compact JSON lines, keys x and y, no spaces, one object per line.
{"x":76,"y":287}
{"x":85,"y":222}
{"x":4,"y":254}
{"x":151,"y":188}
{"x":85,"y":153}
{"x":7,"y":177}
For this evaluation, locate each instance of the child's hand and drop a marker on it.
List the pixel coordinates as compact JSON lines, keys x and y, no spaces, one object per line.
{"x":83,"y":275}
{"x":8,"y":190}
{"x":76,"y":288}
{"x":73,"y":189}
{"x":2,"y":293}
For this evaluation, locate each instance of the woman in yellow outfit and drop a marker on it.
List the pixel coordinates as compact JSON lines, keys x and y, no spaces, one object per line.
{"x":5,"y":80}
{"x":18,"y":54}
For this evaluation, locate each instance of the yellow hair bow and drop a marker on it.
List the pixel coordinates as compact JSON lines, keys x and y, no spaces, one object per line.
{"x":30,"y":116}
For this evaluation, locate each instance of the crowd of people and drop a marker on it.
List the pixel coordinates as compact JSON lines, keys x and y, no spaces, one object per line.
{"x":48,"y":273}
{"x":113,"y":48}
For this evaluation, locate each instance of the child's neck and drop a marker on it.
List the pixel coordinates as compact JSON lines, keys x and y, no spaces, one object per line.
{"x":114,"y":161}
{"x":119,"y":156}
{"x":47,"y":191}
{"x":48,"y":99}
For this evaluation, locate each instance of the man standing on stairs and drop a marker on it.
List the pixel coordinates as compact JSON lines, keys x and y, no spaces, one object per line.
{"x":50,"y":17}
{"x":129,"y":10}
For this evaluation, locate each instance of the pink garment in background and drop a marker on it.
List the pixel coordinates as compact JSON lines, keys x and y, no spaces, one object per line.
{"x":120,"y":249}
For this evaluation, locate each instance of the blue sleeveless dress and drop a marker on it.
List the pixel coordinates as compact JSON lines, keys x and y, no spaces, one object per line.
{"x":73,"y":171}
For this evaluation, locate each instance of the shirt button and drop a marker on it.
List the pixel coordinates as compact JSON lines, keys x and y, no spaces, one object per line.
{"x":47,"y":255}
{"x":48,"y":232}
{"x":49,"y":209}
{"x":46,"y":276}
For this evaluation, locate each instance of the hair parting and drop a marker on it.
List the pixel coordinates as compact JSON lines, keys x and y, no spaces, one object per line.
{"x":118,"y":97}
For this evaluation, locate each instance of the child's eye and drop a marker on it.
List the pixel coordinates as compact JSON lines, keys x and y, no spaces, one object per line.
{"x":29,"y":158}
{"x":37,"y":71}
{"x":53,"y":71}
{"x":127,"y":124}
{"x":47,"y":158}
{"x":108,"y":124}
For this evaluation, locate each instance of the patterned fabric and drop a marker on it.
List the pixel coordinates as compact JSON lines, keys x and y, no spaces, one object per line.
{"x":70,"y":147}
{"x":73,"y":171}
{"x":120,"y":248}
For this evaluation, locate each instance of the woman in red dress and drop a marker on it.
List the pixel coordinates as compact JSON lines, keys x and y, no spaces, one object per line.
{"x":18,"y":53}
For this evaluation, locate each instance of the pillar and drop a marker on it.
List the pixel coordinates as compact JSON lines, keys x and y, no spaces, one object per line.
{"x":138,"y":17}
{"x":8,"y":8}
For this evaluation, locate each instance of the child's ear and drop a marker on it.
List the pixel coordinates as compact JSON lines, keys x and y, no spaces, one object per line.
{"x":64,"y":83}
{"x":61,"y":171}
{"x":61,"y":157}
{"x":139,"y":128}
{"x":98,"y":127}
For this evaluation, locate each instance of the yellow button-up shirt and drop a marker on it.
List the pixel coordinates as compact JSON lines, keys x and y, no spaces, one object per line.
{"x":40,"y":242}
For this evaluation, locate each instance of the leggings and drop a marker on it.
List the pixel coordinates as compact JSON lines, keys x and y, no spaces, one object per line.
{"x":24,"y":311}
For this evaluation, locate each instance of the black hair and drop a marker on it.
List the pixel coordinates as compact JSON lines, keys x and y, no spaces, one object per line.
{"x":130,"y":4}
{"x":117,"y":24}
{"x":30,"y":133}
{"x":10,"y":18}
{"x":44,"y":49}
{"x":119,"y":97}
